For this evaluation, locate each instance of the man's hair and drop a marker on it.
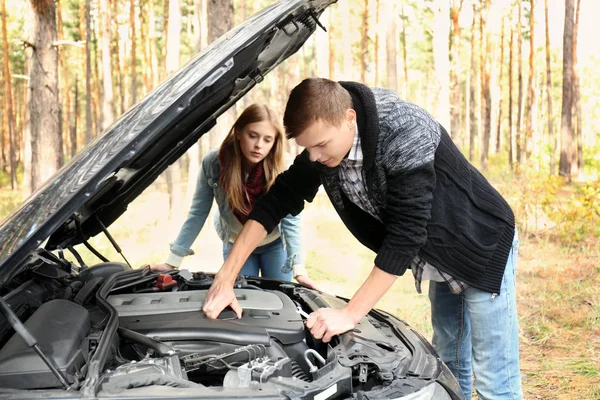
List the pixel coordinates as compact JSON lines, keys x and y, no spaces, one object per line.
{"x":315,"y":99}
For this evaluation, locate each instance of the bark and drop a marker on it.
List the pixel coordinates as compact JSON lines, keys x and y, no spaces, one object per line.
{"x":346,"y":48}
{"x":471,"y":93}
{"x":108,"y":100}
{"x":486,"y":100}
{"x":117,"y":59}
{"x":133,"y":52}
{"x":46,"y":142}
{"x":391,"y":41}
{"x":510,"y":99}
{"x":530,"y":106}
{"x":551,"y":133}
{"x":567,"y":149}
{"x":520,"y":81}
{"x":364,"y":42}
{"x":578,"y":167}
{"x":8,"y":103}
{"x":441,"y":56}
{"x":455,"y":103}
{"x":88,"y":75}
{"x":376,"y":51}
{"x":404,"y":52}
{"x":73,"y":129}
{"x":501,"y":73}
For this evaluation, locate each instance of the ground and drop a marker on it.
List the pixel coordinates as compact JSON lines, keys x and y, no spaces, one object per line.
{"x":558,"y":295}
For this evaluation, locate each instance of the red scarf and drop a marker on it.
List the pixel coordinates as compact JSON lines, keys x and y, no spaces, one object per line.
{"x":252,"y":189}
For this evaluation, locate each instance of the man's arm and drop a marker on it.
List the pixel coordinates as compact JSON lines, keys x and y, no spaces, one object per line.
{"x":327,"y":322}
{"x":220,"y":294}
{"x":299,"y":183}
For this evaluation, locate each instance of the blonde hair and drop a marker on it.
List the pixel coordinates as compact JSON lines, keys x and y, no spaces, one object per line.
{"x":231,"y":156}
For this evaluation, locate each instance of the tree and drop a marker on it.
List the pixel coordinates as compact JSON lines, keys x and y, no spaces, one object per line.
{"x":391,"y":40}
{"x":404,"y":51}
{"x":551,"y":134}
{"x":46,"y":140}
{"x":567,"y":135}
{"x":8,"y":103}
{"x":441,"y":32}
{"x":364,"y":42}
{"x":455,"y":106}
{"x":510,"y":96}
{"x":133,"y":50}
{"x":577,"y":93}
{"x":108,"y":96}
{"x":88,"y":73}
{"x":500,"y":74}
{"x":472,"y":122}
{"x":529,"y":108}
{"x":486,"y":99}
{"x":518,"y":139}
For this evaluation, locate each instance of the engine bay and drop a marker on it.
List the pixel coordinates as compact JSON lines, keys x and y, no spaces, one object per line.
{"x":111,"y":330}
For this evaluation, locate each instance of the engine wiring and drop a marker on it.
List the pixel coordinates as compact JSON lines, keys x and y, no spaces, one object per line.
{"x":193,"y":362}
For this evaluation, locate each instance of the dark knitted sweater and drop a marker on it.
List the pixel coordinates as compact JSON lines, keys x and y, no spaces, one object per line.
{"x":433,"y":202}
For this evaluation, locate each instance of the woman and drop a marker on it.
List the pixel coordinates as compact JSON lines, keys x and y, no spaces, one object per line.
{"x":245,"y":167}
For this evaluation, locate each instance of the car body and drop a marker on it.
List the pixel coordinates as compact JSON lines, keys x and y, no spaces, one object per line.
{"x":110,"y":331}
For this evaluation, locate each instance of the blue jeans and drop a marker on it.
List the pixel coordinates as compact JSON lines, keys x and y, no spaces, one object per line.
{"x":475,"y":333}
{"x":269,"y":260}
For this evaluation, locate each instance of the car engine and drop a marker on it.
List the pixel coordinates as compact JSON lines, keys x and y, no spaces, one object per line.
{"x":111,"y":330}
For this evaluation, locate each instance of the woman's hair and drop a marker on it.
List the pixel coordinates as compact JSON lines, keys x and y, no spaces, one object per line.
{"x":231,"y":156}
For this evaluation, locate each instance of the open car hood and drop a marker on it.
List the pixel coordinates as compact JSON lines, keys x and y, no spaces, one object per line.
{"x":95,"y":187}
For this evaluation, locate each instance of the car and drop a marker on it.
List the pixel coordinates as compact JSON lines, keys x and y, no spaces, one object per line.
{"x":68,"y":330}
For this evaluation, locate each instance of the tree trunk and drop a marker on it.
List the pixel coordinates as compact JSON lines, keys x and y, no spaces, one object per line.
{"x":73,"y":129}
{"x":499,"y":131}
{"x":8,"y":103}
{"x":153,"y":45}
{"x":404,"y":52}
{"x":331,"y":45}
{"x":486,"y":100}
{"x":530,"y":105}
{"x":346,"y":48}
{"x":108,"y":96}
{"x":376,"y":51}
{"x":88,"y":74}
{"x":567,"y":151}
{"x":471,"y":93}
{"x":364,"y":42}
{"x":391,"y":41}
{"x":510,"y":98}
{"x":46,"y":143}
{"x":145,"y":44}
{"x":117,"y":52}
{"x":133,"y":55}
{"x":455,"y":104}
{"x":441,"y":57}
{"x":551,"y":133}
{"x":520,"y":79}
{"x":578,"y":167}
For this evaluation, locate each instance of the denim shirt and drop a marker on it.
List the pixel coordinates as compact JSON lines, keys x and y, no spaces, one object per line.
{"x":208,"y":188}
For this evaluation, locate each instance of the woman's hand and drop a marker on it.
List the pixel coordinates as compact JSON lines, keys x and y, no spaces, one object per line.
{"x":164,"y":267}
{"x":306,"y":281}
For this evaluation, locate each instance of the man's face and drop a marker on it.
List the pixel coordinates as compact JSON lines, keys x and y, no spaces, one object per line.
{"x":329,"y":144}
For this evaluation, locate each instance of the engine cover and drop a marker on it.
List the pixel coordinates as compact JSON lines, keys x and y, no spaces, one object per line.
{"x":178,"y":316}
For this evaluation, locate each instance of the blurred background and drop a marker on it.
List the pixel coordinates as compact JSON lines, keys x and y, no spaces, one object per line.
{"x":514,"y":81}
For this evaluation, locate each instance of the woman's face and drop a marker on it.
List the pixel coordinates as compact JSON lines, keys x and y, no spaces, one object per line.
{"x":256,"y":141}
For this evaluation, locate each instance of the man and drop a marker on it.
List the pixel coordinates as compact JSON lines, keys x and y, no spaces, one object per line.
{"x":405,"y":191}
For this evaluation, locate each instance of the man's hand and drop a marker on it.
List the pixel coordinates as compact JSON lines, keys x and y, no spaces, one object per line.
{"x":219,"y":296}
{"x":164,"y":267}
{"x":306,"y":281}
{"x":328,"y":322}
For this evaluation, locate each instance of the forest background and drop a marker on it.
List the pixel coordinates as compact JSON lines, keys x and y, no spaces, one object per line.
{"x":514,"y":81}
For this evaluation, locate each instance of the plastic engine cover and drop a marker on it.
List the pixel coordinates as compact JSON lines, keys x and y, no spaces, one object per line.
{"x":59,"y":326}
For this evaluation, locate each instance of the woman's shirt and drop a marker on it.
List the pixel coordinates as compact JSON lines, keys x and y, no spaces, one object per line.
{"x":208,"y":187}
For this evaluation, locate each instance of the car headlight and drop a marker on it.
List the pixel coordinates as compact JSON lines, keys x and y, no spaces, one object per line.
{"x":433,"y":391}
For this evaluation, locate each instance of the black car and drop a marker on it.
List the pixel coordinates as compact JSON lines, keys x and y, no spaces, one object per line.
{"x":68,"y":330}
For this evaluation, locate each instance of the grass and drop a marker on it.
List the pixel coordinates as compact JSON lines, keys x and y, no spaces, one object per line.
{"x":558,"y":295}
